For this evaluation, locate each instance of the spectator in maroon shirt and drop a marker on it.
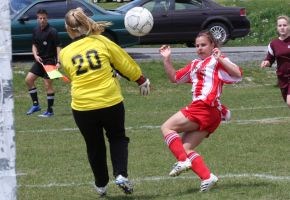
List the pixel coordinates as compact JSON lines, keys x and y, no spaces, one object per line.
{"x":279,"y":51}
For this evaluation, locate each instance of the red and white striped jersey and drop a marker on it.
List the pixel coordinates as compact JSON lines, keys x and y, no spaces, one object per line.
{"x":207,"y":77}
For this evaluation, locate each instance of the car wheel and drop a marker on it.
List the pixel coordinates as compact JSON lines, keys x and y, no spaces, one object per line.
{"x":219,"y":31}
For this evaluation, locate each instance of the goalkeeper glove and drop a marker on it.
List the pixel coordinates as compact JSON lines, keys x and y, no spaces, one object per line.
{"x":144,"y":85}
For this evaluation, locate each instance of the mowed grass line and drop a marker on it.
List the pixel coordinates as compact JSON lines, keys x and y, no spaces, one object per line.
{"x":245,"y":152}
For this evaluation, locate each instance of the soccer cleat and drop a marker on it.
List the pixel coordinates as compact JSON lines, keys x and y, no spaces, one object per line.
{"x":179,"y":167}
{"x":102,"y":191}
{"x":124,"y":184}
{"x":33,"y":109}
{"x":207,"y":184}
{"x":46,"y":114}
{"x":225,"y":114}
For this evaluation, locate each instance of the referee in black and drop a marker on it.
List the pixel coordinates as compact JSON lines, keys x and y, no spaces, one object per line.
{"x":45,"y":48}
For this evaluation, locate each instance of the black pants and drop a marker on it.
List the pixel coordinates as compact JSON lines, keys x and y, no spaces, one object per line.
{"x":92,"y":125}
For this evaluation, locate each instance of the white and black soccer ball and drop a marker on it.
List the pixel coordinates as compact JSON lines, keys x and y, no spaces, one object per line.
{"x":138,"y":21}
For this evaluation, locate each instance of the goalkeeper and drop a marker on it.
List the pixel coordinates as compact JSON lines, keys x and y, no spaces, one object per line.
{"x":91,"y":62}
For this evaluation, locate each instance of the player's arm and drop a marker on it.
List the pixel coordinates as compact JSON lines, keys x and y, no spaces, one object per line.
{"x":165,"y":51}
{"x":127,"y":67}
{"x":58,"y":58}
{"x":229,"y":66}
{"x":265,"y":63}
{"x":269,"y":59}
{"x":35,"y":54}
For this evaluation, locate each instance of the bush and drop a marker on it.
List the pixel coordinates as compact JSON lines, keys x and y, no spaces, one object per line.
{"x":262,"y":15}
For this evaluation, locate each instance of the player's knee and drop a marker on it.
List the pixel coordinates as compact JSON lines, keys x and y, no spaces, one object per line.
{"x":29,"y":82}
{"x":288,"y":101}
{"x":163,"y":129}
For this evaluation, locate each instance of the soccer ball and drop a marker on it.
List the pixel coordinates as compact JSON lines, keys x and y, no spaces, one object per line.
{"x":138,"y":21}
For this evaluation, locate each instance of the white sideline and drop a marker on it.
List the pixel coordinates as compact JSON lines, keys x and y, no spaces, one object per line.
{"x":266,"y":177}
{"x":241,"y":122}
{"x":251,"y":121}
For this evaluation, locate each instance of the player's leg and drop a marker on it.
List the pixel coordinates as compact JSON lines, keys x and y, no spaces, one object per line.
{"x":89,"y":124}
{"x":285,"y":92}
{"x":209,"y":119}
{"x":32,"y":90}
{"x":288,"y":100}
{"x":48,"y":84}
{"x":114,"y":125}
{"x":190,"y":142}
{"x":170,"y":129}
{"x":288,"y":96}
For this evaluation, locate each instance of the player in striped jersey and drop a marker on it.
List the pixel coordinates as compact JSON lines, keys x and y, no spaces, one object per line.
{"x":91,"y":62}
{"x":279,"y":51}
{"x":202,"y":116}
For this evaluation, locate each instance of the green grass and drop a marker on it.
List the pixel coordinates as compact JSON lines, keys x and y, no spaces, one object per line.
{"x":250,"y":153}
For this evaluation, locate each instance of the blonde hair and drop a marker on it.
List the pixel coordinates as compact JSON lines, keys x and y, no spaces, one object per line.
{"x":78,"y":23}
{"x":285,"y":17}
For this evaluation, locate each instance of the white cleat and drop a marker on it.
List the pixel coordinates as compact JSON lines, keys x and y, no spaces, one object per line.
{"x":124,"y":184}
{"x":102,"y":191}
{"x":207,"y":184}
{"x":179,"y":167}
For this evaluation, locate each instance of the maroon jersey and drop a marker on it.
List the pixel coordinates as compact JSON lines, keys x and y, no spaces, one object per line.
{"x":279,"y":50}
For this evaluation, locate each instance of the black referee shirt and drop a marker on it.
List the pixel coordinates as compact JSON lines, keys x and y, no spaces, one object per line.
{"x":46,"y":41}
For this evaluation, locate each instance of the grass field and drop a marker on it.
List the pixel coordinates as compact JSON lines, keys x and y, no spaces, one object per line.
{"x":250,"y":154}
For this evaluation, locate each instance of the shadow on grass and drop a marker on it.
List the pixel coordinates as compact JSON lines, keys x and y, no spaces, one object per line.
{"x":243,"y":186}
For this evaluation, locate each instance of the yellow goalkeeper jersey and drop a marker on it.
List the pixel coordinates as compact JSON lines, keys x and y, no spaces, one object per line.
{"x":90,"y":63}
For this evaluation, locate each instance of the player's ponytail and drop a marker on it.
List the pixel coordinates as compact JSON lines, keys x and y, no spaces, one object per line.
{"x":78,"y":23}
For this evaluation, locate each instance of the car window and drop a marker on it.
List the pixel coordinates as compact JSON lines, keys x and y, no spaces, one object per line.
{"x":157,"y":6}
{"x":17,"y":5}
{"x":55,"y":10}
{"x":149,"y":5}
{"x":187,"y":4}
{"x":76,"y":4}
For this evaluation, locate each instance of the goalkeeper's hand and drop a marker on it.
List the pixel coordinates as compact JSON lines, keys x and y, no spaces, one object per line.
{"x":144,"y":85}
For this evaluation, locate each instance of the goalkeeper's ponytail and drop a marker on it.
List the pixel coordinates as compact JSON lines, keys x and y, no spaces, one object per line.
{"x":78,"y":23}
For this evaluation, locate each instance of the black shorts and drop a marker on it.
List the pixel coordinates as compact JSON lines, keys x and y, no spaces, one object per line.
{"x":38,"y":69}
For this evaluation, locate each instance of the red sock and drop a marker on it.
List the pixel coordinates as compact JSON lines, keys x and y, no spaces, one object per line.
{"x":198,"y":166}
{"x":175,"y":145}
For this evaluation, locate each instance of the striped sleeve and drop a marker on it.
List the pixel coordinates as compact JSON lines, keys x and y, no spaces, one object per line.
{"x":226,"y":77}
{"x":183,"y":75}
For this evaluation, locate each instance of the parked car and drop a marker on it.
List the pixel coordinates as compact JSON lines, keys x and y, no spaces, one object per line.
{"x":17,"y":5}
{"x":24,"y":21}
{"x":179,"y":21}
{"x":119,"y":1}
